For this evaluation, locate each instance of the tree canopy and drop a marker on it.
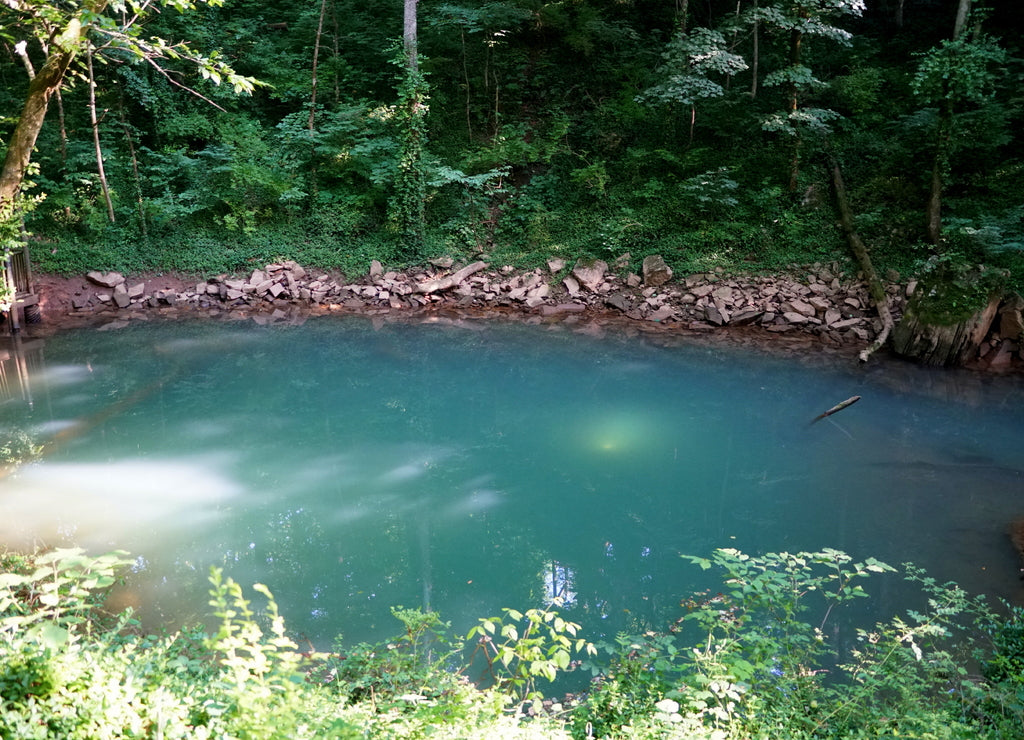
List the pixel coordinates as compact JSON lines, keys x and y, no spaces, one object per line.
{"x":696,"y":131}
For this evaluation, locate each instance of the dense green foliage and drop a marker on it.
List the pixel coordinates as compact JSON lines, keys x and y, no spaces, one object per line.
{"x":693,"y":130}
{"x":754,"y":661}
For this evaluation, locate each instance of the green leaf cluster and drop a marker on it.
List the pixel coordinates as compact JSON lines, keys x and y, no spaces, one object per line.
{"x":741,"y":663}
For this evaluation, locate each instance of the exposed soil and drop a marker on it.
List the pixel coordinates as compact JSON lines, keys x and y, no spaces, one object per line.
{"x":57,"y":294}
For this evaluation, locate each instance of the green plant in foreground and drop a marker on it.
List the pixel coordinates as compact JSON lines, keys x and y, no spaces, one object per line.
{"x":524,"y":646}
{"x":52,"y":601}
{"x":753,"y":661}
{"x":408,"y":669}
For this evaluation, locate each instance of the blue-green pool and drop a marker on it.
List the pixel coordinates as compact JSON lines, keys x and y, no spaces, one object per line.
{"x":353,"y":464}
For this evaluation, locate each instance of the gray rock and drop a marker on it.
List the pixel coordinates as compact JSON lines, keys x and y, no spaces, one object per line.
{"x":121,"y":299}
{"x":1011,"y":320}
{"x":556,"y":264}
{"x":799,"y":307}
{"x":820,"y":304}
{"x":541,"y":291}
{"x":665,"y":313}
{"x":713,"y":316}
{"x":590,"y":273}
{"x":295,"y":268}
{"x":106,"y":279}
{"x":376,"y":269}
{"x":749,"y":316}
{"x":619,"y":302}
{"x":655,"y":270}
{"x":572,"y":286}
{"x":551,"y":310}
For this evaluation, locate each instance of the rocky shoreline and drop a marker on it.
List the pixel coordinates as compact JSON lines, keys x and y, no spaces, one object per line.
{"x":817,"y":301}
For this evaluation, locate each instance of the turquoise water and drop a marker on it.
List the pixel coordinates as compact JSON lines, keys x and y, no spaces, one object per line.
{"x":354,"y":465}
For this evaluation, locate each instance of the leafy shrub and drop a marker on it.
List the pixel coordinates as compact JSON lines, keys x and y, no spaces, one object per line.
{"x":749,"y":662}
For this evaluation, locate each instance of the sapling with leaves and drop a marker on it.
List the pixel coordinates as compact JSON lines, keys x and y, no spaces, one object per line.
{"x":691,"y":62}
{"x":797,"y":21}
{"x":958,"y":75}
{"x":521,"y":647}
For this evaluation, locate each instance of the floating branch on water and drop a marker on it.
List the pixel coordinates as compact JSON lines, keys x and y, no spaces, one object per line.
{"x":837,"y":408}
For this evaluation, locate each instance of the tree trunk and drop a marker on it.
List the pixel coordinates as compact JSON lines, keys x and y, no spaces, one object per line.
{"x":860,"y":251}
{"x":316,"y":58}
{"x":962,"y":12}
{"x":933,"y":211}
{"x":139,"y":202}
{"x":42,"y":87}
{"x":936,"y":344}
{"x":23,"y":140}
{"x":94,"y":122}
{"x":795,"y":43}
{"x":409,"y":34}
{"x":755,"y":57}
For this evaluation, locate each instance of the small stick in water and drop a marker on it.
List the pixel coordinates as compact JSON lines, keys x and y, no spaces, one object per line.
{"x":837,"y":408}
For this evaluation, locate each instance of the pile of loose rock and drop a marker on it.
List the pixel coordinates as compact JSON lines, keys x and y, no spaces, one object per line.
{"x":818,"y":299}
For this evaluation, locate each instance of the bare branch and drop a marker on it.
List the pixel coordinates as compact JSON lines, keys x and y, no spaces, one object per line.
{"x":186,"y":88}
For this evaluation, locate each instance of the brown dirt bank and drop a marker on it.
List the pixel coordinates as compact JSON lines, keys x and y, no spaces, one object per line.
{"x":800,"y":318}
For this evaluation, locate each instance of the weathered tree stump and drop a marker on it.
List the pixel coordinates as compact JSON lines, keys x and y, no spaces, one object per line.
{"x":943,"y":344}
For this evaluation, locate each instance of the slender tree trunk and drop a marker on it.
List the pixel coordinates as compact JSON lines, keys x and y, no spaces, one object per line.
{"x":682,"y":9}
{"x":755,"y":56}
{"x":409,"y":184}
{"x":312,"y":103}
{"x":336,"y":50}
{"x":795,"y":43}
{"x":94,"y":122}
{"x":316,"y":57}
{"x":469,"y":96}
{"x":962,"y":11}
{"x":860,"y":251}
{"x":135,"y":166}
{"x":409,"y":34}
{"x":21,"y":49}
{"x":933,"y":211}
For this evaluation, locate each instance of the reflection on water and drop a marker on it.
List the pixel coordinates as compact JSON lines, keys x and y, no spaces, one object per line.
{"x":354,"y":466}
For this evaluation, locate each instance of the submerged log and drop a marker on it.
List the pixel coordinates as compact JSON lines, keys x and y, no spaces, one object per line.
{"x":836,"y":409}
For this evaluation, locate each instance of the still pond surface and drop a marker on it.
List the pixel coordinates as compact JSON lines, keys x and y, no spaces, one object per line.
{"x":353,"y":466}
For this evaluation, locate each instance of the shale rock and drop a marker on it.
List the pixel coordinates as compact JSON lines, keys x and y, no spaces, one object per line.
{"x":655,"y":271}
{"x":590,"y":273}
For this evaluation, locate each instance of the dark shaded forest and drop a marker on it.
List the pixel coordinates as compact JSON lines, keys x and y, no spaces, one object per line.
{"x":699,"y":130}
